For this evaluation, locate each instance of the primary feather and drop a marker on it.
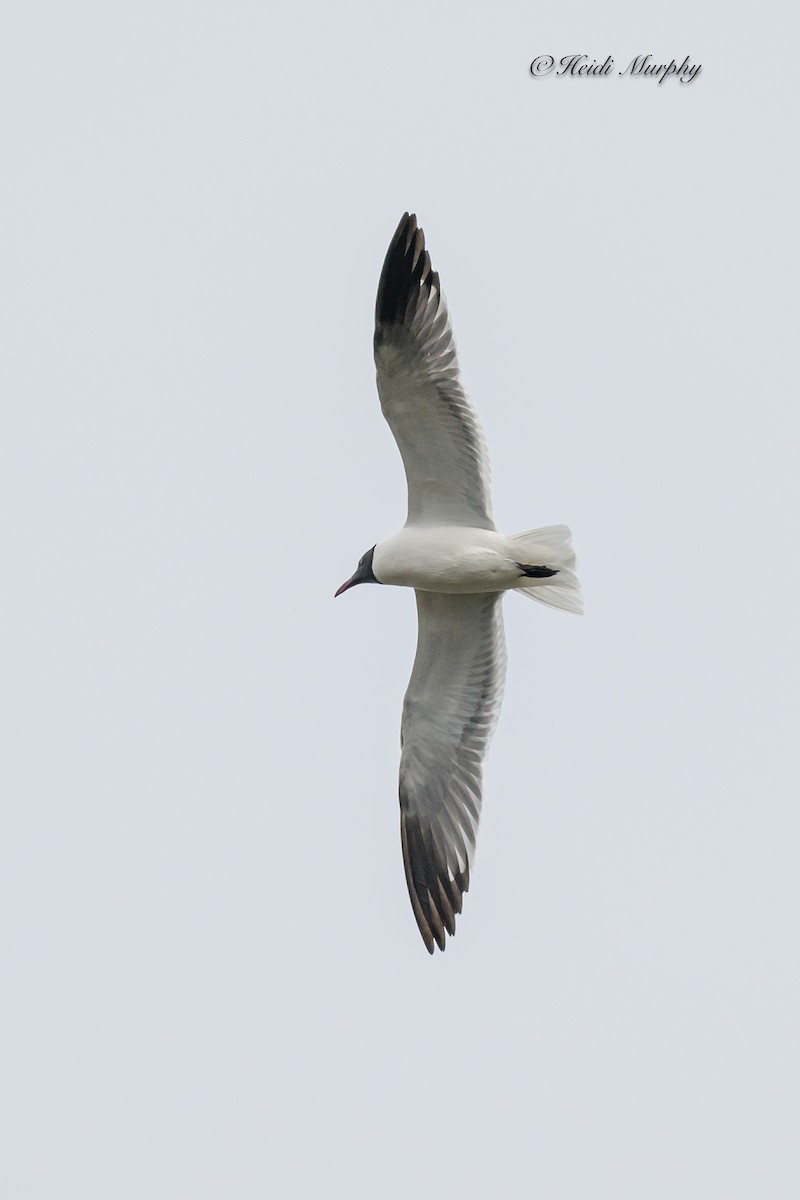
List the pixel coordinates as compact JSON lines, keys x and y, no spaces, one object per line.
{"x":435,"y":426}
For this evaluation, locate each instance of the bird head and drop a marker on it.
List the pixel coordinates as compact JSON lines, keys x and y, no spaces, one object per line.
{"x":362,"y":574}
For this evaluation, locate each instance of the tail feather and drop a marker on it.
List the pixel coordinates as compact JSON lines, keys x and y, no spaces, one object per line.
{"x":551,"y":547}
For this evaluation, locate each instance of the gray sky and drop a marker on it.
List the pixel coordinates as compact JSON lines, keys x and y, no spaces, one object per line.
{"x":212,"y":980}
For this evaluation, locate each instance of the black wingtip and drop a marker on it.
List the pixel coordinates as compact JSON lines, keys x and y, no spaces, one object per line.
{"x":436,"y":895}
{"x":533,"y":572}
{"x":406,"y":267}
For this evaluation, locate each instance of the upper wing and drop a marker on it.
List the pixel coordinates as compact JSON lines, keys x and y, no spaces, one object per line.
{"x":449,"y":715}
{"x":437,"y":429}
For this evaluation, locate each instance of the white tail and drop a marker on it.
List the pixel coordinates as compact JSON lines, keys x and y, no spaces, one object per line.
{"x":551,"y":547}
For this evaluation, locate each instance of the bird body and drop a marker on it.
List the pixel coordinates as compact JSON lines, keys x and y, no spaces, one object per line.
{"x":455,"y":560}
{"x":459,"y":565}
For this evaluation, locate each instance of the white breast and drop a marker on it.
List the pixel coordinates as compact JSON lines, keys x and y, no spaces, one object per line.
{"x":446,"y":559}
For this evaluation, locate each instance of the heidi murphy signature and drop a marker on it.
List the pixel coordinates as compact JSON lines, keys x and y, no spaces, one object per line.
{"x":578,"y":64}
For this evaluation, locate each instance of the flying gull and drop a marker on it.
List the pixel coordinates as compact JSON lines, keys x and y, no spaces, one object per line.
{"x":451,"y":553}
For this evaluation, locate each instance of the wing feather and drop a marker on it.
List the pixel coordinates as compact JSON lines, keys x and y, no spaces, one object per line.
{"x":435,"y":426}
{"x":449,"y":715}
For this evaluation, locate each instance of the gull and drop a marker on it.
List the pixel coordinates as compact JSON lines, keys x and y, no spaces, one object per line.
{"x":459,"y":565}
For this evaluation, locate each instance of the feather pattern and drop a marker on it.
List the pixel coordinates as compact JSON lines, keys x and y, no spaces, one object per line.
{"x":434,"y":424}
{"x":449,"y":715}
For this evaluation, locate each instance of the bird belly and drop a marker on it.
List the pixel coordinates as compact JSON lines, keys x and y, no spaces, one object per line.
{"x":446,"y":560}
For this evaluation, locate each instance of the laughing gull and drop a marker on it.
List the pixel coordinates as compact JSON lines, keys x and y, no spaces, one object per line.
{"x":450,"y":552}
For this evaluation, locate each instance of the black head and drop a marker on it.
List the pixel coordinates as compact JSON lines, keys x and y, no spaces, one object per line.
{"x":363,"y":573}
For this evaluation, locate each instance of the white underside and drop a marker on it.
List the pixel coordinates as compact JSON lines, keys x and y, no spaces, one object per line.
{"x":459,"y":560}
{"x":446,"y":559}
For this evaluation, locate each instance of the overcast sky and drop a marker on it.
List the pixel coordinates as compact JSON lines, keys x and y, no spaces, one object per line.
{"x":213,"y":985}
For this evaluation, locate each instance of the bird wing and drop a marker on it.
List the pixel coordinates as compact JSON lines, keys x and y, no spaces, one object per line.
{"x":435,"y":426}
{"x":449,"y":715}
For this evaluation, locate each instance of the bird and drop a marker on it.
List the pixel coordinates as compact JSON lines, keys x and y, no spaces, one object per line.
{"x":451,"y":553}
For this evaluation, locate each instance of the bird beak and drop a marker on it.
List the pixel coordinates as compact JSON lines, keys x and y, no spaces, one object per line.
{"x":347,"y":584}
